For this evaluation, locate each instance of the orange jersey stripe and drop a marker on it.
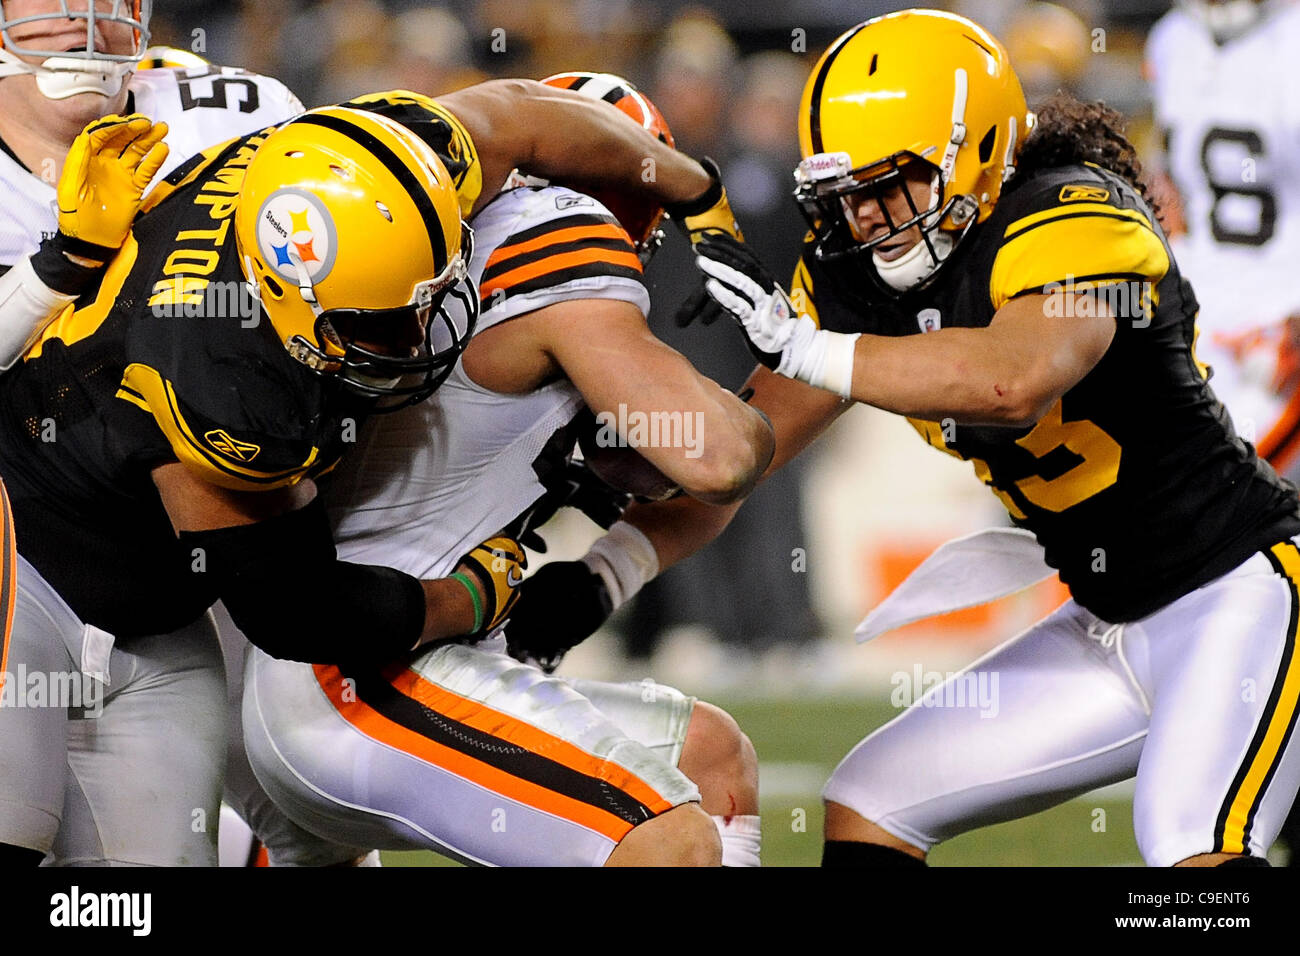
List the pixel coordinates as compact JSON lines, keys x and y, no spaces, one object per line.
{"x":556,"y":263}
{"x":381,"y":728}
{"x":558,"y":237}
{"x":1278,"y":446}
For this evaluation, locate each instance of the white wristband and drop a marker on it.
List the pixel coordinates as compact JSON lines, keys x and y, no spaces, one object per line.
{"x":26,"y":307}
{"x":625,"y":560}
{"x":820,"y":358}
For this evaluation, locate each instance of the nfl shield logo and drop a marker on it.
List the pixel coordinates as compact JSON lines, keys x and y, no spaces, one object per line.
{"x":929,"y":320}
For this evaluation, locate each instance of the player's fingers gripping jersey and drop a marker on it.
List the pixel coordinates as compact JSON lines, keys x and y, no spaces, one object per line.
{"x":384,"y":758}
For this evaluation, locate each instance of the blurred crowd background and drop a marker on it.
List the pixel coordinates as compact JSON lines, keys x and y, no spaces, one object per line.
{"x":820,"y":543}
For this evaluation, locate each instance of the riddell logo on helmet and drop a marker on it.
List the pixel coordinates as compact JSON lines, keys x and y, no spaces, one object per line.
{"x":295,"y":229}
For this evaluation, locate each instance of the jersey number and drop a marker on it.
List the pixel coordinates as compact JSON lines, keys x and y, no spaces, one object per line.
{"x":1098,"y":470}
{"x":1253,"y":146}
{"x":220,"y":96}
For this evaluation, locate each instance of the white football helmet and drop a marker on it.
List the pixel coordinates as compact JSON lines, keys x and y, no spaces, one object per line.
{"x":79,"y":67}
{"x":1227,"y":19}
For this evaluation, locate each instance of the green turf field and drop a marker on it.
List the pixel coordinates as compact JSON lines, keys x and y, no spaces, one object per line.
{"x":799,"y":742}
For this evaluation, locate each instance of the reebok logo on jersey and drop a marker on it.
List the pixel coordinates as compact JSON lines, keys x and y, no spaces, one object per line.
{"x":1084,"y":194}
{"x":220,"y":439}
{"x":568,"y":202}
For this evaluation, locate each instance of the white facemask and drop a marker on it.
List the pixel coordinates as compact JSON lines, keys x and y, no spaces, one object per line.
{"x":60,"y":75}
{"x":1227,"y":21}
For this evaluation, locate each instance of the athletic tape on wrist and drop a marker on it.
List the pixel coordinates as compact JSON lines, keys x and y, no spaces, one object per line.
{"x":625,"y":560}
{"x":822,"y":359}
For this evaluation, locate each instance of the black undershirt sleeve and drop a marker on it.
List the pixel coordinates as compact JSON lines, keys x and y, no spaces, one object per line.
{"x":284,"y":586}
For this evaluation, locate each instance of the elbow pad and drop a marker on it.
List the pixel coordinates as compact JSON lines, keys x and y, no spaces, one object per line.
{"x":285,"y":588}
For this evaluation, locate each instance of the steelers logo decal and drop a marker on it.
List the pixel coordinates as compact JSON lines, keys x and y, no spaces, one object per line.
{"x":293,"y":227}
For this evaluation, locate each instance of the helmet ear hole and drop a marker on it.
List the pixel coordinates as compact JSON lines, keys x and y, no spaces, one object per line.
{"x":276,"y":290}
{"x":986,"y":144}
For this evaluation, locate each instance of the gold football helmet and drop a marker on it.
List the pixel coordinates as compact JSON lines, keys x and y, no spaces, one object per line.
{"x":918,"y":86}
{"x":349,"y":229}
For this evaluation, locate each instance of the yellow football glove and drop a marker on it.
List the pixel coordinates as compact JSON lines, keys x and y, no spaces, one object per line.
{"x":110,"y":165}
{"x":710,"y":213}
{"x":498,"y":564}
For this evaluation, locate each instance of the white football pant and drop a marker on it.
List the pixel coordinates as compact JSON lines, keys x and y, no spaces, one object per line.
{"x":1199,"y":700}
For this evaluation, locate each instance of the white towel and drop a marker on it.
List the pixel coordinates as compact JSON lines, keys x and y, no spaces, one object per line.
{"x":961,"y":573}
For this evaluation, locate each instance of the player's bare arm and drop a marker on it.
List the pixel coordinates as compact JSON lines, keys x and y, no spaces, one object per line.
{"x":606,"y":349}
{"x":528,"y":125}
{"x":1010,"y":373}
{"x":566,"y":601}
{"x":798,"y":413}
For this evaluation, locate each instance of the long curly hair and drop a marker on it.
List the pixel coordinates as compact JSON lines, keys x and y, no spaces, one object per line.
{"x":1070,"y":132}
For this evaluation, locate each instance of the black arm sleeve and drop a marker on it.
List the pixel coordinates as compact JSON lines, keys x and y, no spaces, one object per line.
{"x":284,"y":586}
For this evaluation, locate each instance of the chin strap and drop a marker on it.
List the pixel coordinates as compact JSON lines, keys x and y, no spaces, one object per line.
{"x":915,"y":265}
{"x":60,"y":77}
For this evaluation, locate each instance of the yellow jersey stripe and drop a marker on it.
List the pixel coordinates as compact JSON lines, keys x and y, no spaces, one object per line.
{"x":165,"y":189}
{"x":1072,"y":210}
{"x":1275,"y":725}
{"x":1074,"y":249}
{"x":75,"y":324}
{"x":146,"y":388}
{"x":801,"y":293}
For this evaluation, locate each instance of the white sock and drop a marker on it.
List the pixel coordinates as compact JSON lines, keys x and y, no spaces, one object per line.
{"x":742,"y":838}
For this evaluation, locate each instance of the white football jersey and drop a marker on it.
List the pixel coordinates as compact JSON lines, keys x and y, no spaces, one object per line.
{"x":202,"y":106}
{"x":430,"y":482}
{"x":1232,"y":113}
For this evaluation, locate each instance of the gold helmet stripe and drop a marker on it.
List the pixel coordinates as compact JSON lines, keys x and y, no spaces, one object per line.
{"x":368,"y":141}
{"x":815,"y":119}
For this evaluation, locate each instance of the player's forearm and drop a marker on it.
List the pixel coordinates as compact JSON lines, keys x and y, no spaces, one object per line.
{"x":963,"y":374}
{"x":679,"y":528}
{"x":27,"y":305}
{"x":564,"y":136}
{"x":449,"y":610}
{"x":734,"y":446}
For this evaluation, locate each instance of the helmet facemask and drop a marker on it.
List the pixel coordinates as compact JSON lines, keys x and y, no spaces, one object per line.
{"x":378,"y":369}
{"x":1227,"y":21}
{"x":828,"y":188}
{"x":62,"y":73}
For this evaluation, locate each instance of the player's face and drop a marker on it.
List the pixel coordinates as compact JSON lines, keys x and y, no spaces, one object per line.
{"x":22,"y":105}
{"x":66,"y":34}
{"x":872,"y":216}
{"x":398,"y":334}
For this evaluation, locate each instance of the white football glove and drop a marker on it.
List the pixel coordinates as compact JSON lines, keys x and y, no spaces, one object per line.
{"x":785,"y":341}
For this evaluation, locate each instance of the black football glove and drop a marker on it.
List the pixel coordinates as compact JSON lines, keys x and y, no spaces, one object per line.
{"x":741,"y":287}
{"x":559,"y":607}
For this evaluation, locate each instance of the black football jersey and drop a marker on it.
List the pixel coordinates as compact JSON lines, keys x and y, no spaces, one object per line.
{"x":1135,"y":482}
{"x":151,"y":367}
